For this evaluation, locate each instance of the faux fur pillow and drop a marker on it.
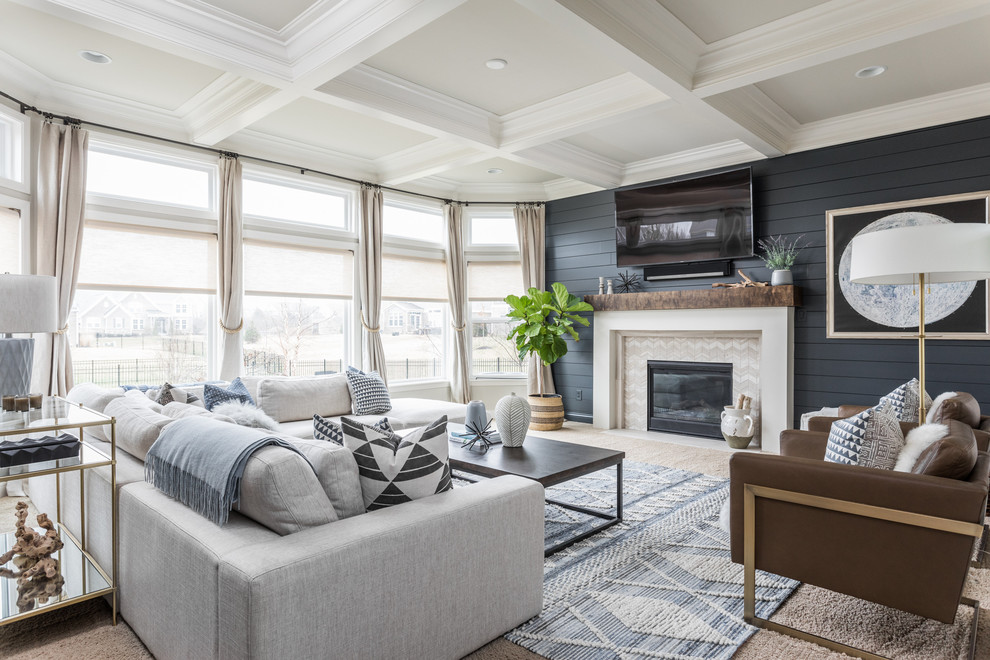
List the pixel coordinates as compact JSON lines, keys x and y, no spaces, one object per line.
{"x":918,"y":440}
{"x":246,"y":414}
{"x":936,"y":404}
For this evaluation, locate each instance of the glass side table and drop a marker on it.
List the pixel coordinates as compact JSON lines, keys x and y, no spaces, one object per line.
{"x":81,"y":576}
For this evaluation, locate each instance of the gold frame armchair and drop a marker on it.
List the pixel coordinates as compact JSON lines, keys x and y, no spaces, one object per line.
{"x":898,"y":539}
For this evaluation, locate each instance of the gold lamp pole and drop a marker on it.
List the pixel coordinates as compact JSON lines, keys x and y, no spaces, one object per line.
{"x":922,"y":254}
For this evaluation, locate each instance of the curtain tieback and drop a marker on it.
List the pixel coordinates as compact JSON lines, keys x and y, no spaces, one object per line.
{"x":232,"y":331}
{"x":369,"y":328}
{"x":63,"y":330}
{"x":459,"y":328}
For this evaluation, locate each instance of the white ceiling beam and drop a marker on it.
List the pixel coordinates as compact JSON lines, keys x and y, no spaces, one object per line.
{"x":751,"y":107}
{"x":708,"y":157}
{"x":264,"y":145}
{"x":571,"y":161}
{"x":653,"y":45}
{"x":425,"y":160}
{"x":821,"y":34}
{"x":577,"y":112}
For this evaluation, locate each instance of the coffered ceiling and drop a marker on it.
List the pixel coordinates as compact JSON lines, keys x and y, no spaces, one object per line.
{"x":595,"y":93}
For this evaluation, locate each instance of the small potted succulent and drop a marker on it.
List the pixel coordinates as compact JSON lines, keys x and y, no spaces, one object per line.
{"x":779,"y":254}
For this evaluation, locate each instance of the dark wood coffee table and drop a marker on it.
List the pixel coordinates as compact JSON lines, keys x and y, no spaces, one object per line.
{"x":549,"y":462}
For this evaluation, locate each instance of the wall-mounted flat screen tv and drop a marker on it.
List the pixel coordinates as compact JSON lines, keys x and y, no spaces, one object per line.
{"x":701,"y":219}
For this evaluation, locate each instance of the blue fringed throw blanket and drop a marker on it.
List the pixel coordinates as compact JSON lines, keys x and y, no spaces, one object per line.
{"x":199,"y":461}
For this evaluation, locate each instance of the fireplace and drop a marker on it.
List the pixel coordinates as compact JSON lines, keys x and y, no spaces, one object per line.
{"x":688,"y":397}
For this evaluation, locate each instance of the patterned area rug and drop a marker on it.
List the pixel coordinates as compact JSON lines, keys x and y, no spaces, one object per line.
{"x":658,"y":585}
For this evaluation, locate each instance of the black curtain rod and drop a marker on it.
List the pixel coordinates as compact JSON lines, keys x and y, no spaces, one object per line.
{"x":25,"y":108}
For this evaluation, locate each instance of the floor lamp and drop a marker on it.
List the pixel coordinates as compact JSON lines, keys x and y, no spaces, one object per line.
{"x":922,"y":255}
{"x":27,"y":304}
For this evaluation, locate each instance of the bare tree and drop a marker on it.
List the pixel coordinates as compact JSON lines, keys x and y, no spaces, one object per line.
{"x":289,"y":324}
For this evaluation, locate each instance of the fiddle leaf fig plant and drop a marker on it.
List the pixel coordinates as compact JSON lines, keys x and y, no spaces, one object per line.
{"x":545,"y":317}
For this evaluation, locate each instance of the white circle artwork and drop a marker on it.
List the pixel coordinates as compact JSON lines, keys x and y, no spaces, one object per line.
{"x":893,"y":305}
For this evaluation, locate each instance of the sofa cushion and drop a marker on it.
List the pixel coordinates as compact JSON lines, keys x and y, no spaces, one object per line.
{"x":168,"y":393}
{"x":279,"y":490}
{"x":397,"y":469}
{"x":369,"y":396}
{"x":872,"y":438}
{"x":337,"y":473}
{"x":291,"y":399}
{"x":410,"y":412}
{"x":960,"y":406}
{"x":236,"y":391}
{"x":96,"y":398}
{"x":952,"y":456}
{"x":329,"y":430}
{"x":139,"y":423}
{"x":904,"y":399}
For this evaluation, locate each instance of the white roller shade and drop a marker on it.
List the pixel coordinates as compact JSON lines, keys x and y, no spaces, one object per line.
{"x":291,"y":270}
{"x":117,"y":256}
{"x":405,"y":278}
{"x":494,"y":280}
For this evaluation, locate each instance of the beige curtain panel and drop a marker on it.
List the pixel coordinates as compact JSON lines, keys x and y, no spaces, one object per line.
{"x":370,"y":277}
{"x":531,"y":230}
{"x":61,"y":205}
{"x":230,"y":285}
{"x":460,"y":386}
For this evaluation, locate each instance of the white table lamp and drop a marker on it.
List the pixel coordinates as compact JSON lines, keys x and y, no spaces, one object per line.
{"x":27,"y":304}
{"x":922,"y":255}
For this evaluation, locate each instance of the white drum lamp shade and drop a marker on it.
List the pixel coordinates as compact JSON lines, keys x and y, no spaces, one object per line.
{"x":27,"y":304}
{"x":922,"y":255}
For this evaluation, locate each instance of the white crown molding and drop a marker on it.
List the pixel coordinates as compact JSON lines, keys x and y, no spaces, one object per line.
{"x":365,"y":88}
{"x":577,"y":111}
{"x":709,"y":157}
{"x":482,"y":192}
{"x":751,"y":108}
{"x":264,"y":145}
{"x":226,"y":102}
{"x":571,"y":161}
{"x":561,"y":188}
{"x":820,"y":34}
{"x":934,"y":110}
{"x":197,"y":27}
{"x":427,"y":159}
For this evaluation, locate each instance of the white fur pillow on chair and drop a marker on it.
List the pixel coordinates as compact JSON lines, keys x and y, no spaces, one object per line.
{"x":246,"y":414}
{"x":918,"y":440}
{"x":930,"y":415}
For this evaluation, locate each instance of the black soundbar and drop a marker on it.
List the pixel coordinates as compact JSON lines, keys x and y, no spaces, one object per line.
{"x":688,"y":269}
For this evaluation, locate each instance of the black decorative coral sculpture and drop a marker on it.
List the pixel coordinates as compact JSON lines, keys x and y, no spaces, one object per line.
{"x":629,"y":282}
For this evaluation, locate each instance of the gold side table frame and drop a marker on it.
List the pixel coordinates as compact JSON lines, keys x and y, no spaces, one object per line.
{"x":89,"y":457}
{"x":751,"y":492}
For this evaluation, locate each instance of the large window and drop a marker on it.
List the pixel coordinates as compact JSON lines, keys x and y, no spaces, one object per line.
{"x":284,"y":199}
{"x":402,"y":219}
{"x":144,"y":311}
{"x":12,"y":132}
{"x":129,"y":174}
{"x":492,"y":354}
{"x":297,"y":309}
{"x":10,"y":240}
{"x":415,"y":317}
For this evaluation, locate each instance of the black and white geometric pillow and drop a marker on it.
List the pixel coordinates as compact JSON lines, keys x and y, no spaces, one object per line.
{"x":845,"y":438}
{"x":330,"y":431}
{"x":369,"y":396}
{"x":904,"y":400}
{"x":236,"y":391}
{"x":873,"y":438}
{"x":168,"y":393}
{"x":394,"y":470}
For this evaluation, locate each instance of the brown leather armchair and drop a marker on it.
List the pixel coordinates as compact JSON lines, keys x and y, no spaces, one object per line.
{"x":900,"y":539}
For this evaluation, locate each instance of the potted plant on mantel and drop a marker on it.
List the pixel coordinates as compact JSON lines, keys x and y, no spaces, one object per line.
{"x":779,"y":254}
{"x":545,"y":318}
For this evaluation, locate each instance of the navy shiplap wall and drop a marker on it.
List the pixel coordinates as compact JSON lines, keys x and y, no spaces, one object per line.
{"x":791,"y":195}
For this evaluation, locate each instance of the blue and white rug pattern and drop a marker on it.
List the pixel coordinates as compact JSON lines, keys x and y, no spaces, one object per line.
{"x":658,"y":585}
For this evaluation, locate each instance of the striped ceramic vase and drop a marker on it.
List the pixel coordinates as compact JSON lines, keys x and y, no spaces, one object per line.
{"x":512,"y":415}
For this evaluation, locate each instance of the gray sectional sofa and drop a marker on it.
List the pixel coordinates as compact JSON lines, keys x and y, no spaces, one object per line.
{"x":436,"y":577}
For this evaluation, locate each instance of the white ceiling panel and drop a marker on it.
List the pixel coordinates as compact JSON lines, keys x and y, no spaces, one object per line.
{"x":940,"y":61}
{"x":712,"y":20}
{"x":511,"y":173}
{"x":669,"y":130}
{"x":449,"y":56}
{"x":51,"y":46}
{"x":313,"y":123}
{"x":273,"y":15}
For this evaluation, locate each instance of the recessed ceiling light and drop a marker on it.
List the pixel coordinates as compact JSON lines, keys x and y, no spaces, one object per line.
{"x":95,"y":56}
{"x":495,"y":170}
{"x":871,"y":71}
{"x":496,"y":63}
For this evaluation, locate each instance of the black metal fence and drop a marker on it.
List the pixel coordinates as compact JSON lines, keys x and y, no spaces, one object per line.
{"x":152,"y":371}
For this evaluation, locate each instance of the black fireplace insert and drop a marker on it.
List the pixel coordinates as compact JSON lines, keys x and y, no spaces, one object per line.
{"x":688,"y":397}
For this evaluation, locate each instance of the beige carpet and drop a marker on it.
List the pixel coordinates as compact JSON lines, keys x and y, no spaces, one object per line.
{"x":84,"y":631}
